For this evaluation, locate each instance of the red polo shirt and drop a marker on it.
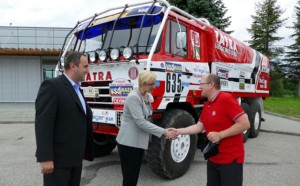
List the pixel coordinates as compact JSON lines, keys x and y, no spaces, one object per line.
{"x":220,"y":114}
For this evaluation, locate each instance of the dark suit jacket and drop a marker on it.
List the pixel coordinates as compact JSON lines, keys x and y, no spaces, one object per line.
{"x":63,"y":131}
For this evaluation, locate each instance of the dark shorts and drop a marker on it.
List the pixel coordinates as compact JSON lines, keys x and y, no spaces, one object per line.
{"x":224,"y":174}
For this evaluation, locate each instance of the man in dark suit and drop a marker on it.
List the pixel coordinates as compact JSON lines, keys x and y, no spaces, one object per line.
{"x":63,"y":124}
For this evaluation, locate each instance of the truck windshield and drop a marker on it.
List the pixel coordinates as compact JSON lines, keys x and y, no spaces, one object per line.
{"x":125,"y":34}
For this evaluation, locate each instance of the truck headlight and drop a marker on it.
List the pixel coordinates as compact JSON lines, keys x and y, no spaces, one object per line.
{"x":127,"y":53}
{"x":114,"y":54}
{"x":93,"y":57}
{"x":102,"y":55}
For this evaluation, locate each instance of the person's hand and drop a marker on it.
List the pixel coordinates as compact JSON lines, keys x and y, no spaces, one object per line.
{"x":171,"y":133}
{"x":214,"y":137}
{"x":47,"y":167}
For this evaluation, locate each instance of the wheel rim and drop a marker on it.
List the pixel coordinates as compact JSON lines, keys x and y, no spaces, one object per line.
{"x":256,"y":121}
{"x":180,"y":148}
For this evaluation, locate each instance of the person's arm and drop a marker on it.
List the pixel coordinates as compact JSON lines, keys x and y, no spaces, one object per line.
{"x":134,"y":105}
{"x":193,"y":129}
{"x":45,"y":105}
{"x":240,"y":125}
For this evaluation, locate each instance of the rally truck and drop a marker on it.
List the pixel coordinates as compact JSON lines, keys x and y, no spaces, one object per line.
{"x":180,"y":49}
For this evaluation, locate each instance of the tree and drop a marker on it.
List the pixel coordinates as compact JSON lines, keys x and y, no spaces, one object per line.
{"x":292,"y":66}
{"x":264,"y":27}
{"x":212,"y":10}
{"x":266,"y":23}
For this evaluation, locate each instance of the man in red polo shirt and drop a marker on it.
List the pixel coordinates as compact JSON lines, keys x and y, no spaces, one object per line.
{"x":224,"y":121}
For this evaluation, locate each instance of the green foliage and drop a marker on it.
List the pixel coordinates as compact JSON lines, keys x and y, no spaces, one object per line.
{"x":289,"y":106}
{"x":281,"y":86}
{"x":266,"y":23}
{"x":290,"y":87}
{"x":276,"y":86}
{"x":292,"y":65}
{"x":212,"y":10}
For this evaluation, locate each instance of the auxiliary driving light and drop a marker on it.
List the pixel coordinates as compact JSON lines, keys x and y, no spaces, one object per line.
{"x":93,"y":57}
{"x":114,"y":54}
{"x":127,"y":53}
{"x":102,"y":55}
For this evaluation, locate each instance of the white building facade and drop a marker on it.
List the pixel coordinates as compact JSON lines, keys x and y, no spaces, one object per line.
{"x":28,"y":56}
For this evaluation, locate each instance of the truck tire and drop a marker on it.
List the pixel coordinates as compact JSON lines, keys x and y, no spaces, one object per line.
{"x":172,"y":158}
{"x":103,"y":145}
{"x":246,"y":109}
{"x":255,"y":119}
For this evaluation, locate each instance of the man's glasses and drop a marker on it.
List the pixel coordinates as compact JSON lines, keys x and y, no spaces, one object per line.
{"x":205,"y":83}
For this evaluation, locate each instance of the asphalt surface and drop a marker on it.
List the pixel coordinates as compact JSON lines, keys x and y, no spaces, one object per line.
{"x":271,"y":159}
{"x":24,"y":113}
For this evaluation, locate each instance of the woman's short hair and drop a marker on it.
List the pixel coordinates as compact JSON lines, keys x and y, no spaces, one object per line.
{"x":146,"y":77}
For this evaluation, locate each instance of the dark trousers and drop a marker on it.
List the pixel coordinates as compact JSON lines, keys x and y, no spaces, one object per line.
{"x":224,"y":174}
{"x":63,"y":177}
{"x":131,"y":161}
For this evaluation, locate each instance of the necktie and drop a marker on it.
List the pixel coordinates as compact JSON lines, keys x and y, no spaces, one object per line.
{"x":76,"y":87}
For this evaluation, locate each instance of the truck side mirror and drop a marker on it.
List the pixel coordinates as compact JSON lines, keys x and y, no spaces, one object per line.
{"x":181,"y":40}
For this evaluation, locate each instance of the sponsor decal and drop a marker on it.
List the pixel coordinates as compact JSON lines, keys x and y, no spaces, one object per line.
{"x":120,"y":87}
{"x":172,"y":67}
{"x":242,"y":74}
{"x":242,"y":80}
{"x":224,"y":83}
{"x":222,"y":73}
{"x":98,"y":76}
{"x":242,"y":84}
{"x":104,"y":116}
{"x":90,"y":92}
{"x":118,"y":100}
{"x":198,"y":72}
{"x":195,"y":45}
{"x":262,"y":82}
{"x":265,"y":69}
{"x":143,"y":10}
{"x":225,"y":43}
{"x":186,"y":70}
{"x":133,"y":73}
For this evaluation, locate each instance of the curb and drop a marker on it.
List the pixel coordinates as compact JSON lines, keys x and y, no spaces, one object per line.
{"x":280,"y":132}
{"x":283,"y":116}
{"x":10,"y":122}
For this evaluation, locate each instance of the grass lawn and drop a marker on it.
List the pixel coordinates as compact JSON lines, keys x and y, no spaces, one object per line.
{"x":289,"y":106}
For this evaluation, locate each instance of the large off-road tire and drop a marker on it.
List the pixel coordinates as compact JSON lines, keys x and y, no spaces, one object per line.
{"x":255,"y":119}
{"x":103,"y":145}
{"x":246,"y":109}
{"x":172,"y":158}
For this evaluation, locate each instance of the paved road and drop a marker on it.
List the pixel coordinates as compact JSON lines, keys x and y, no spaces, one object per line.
{"x":24,"y":113}
{"x":271,"y":159}
{"x":274,"y":123}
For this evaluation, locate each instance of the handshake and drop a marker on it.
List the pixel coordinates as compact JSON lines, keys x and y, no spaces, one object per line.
{"x":171,"y":133}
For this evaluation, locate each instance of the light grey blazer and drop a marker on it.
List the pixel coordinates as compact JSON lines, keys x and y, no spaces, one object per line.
{"x":135,"y":129}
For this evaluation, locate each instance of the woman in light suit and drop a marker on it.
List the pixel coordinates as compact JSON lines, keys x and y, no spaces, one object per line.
{"x":135,"y":131}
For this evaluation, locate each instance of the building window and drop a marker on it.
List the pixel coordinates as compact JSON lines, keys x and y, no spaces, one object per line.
{"x":48,"y":74}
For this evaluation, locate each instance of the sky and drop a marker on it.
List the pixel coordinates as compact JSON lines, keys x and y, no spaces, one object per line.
{"x":66,"y":13}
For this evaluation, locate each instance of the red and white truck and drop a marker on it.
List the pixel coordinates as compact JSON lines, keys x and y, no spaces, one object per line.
{"x":122,"y":41}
